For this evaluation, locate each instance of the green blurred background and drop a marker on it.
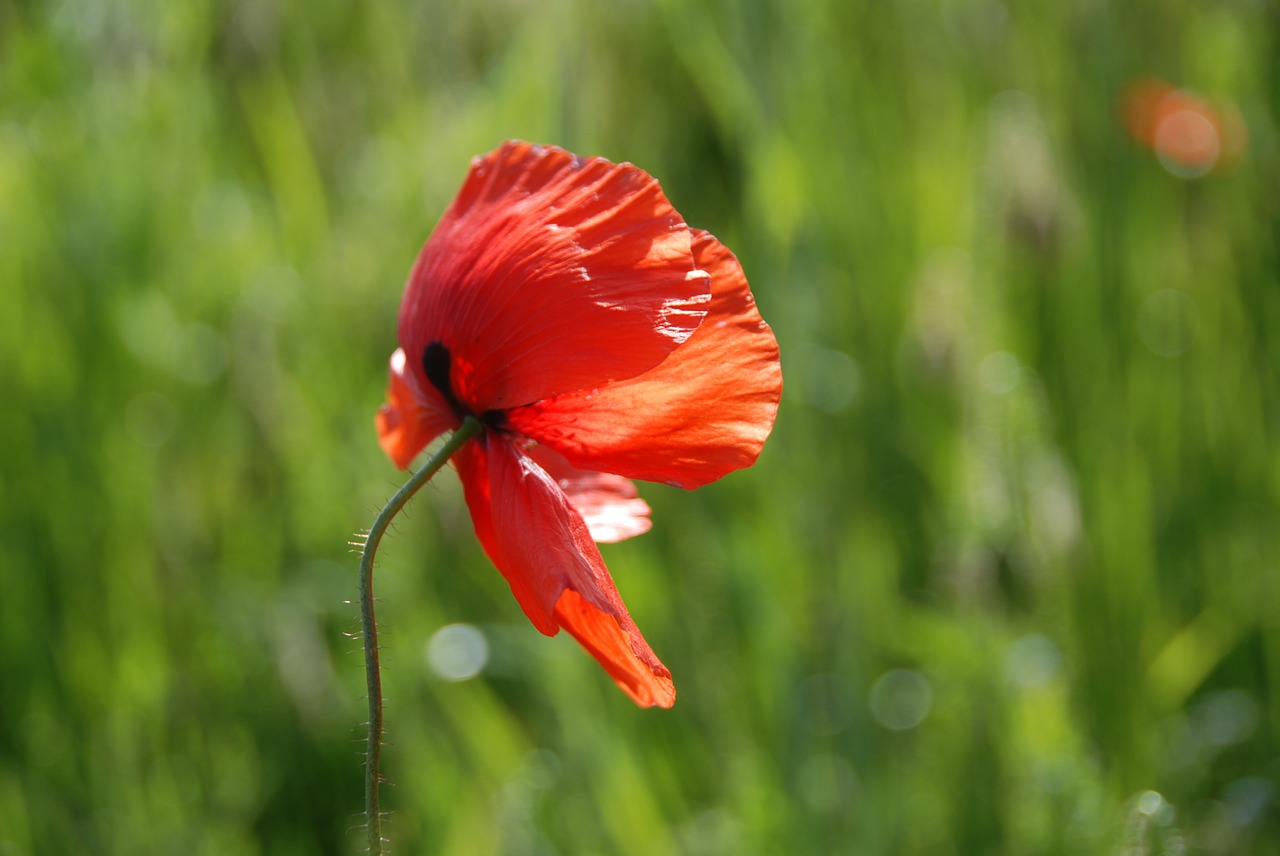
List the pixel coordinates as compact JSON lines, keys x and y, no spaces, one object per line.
{"x":1005,"y":580}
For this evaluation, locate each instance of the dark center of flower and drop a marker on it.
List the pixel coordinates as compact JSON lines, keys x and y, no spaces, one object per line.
{"x":436,"y":362}
{"x":438,"y":365}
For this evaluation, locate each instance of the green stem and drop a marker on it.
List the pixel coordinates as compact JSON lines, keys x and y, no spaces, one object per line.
{"x":373,"y":677}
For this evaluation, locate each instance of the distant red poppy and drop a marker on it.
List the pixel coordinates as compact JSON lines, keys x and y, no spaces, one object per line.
{"x":1190,"y":135}
{"x":564,"y":303}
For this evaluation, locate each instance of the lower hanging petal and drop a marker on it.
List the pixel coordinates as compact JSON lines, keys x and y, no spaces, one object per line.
{"x":613,"y":646}
{"x":543,"y":548}
{"x":472,"y":464}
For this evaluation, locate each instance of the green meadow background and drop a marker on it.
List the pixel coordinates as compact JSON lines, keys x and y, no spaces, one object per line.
{"x":1006,"y":579}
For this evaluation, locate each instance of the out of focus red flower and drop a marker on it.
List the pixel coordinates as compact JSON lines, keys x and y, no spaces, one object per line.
{"x":564,"y":304}
{"x":1190,"y":135}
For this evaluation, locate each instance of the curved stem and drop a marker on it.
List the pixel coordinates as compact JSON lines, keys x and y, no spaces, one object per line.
{"x":373,"y":677}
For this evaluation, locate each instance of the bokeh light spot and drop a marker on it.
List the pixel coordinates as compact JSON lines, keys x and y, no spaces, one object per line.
{"x":1149,"y":802}
{"x":901,"y":699}
{"x":1248,"y":799}
{"x":1187,"y":143}
{"x":457,"y":652}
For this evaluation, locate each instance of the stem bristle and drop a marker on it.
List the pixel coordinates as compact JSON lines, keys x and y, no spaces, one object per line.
{"x":368,"y":545}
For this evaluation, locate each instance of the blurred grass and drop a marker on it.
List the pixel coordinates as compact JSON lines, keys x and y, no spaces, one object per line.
{"x":1004,"y":581}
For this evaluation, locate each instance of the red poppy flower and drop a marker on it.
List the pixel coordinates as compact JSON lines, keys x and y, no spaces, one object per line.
{"x":565,"y":304}
{"x":1190,"y":135}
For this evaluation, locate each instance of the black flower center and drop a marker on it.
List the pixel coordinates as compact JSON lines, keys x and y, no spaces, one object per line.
{"x":436,"y":362}
{"x":438,"y":365}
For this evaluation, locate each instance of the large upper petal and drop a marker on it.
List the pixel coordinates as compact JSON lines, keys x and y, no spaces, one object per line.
{"x":539,"y":542}
{"x":550,"y":273}
{"x":702,"y":413}
{"x":412,"y":416}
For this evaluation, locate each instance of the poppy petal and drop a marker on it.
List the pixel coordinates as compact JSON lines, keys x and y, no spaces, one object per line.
{"x":412,"y":417}
{"x":472,"y":464}
{"x":610,"y":505}
{"x":541,"y":545}
{"x":609,"y":640}
{"x":550,"y":273}
{"x":702,"y":413}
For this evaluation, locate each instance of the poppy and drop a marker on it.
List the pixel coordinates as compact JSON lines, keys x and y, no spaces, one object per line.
{"x":1190,"y":135}
{"x":564,"y":304}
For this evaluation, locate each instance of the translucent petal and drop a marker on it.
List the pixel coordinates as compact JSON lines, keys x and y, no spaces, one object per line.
{"x":702,"y":413}
{"x":548,"y":274}
{"x":609,"y":504}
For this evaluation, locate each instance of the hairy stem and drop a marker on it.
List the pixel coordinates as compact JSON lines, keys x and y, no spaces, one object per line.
{"x":369,"y":627}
